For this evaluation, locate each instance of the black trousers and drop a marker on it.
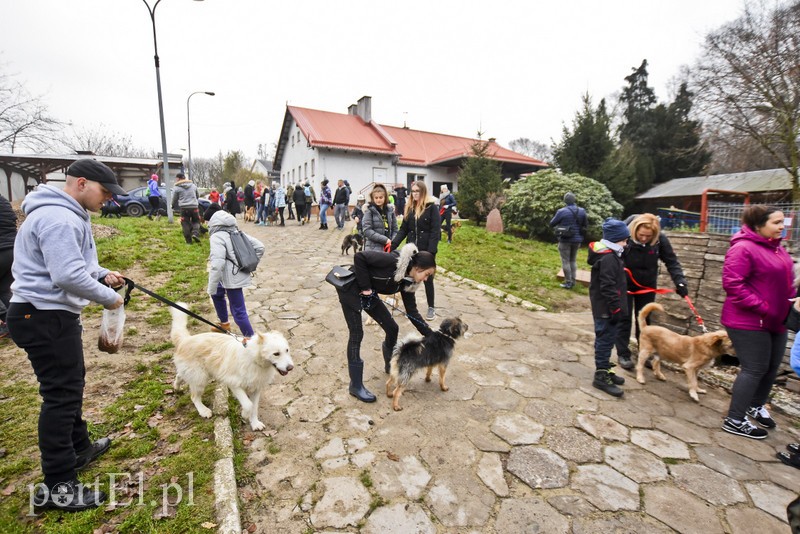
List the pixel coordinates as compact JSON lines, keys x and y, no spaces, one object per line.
{"x":6,"y":259}
{"x":190,"y":223}
{"x":635,"y":305}
{"x":155,"y":204}
{"x":52,"y":339}
{"x":351,"y":308}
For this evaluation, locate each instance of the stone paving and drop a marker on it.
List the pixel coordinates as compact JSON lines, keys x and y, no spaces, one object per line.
{"x":520,"y":443}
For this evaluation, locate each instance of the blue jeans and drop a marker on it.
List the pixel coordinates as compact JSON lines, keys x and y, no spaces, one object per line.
{"x":339,"y":212}
{"x":569,"y":261}
{"x":605,"y":334}
{"x":323,"y":213}
{"x":238,"y":308}
{"x":794,"y":359}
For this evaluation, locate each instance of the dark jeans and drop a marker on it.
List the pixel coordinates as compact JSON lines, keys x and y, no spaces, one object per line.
{"x":52,"y":339}
{"x":635,"y":305}
{"x":604,"y":335}
{"x":351,"y":308}
{"x":760,"y":355}
{"x":190,"y":223}
{"x":238,"y":308}
{"x":6,"y":259}
{"x":280,"y":212}
{"x":155,"y":204}
{"x":289,"y":210}
{"x":447,"y":220}
{"x":430,"y":293}
{"x":301,"y":211}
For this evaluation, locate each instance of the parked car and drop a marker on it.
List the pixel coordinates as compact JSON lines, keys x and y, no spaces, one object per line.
{"x":136,"y":203}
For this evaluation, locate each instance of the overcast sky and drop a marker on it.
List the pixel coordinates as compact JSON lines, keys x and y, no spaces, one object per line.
{"x":512,"y":68}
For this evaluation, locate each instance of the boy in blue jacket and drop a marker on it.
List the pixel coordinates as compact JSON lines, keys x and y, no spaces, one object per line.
{"x":608,"y":296}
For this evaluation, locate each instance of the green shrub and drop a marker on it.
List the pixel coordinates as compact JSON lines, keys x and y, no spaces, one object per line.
{"x":531,"y":203}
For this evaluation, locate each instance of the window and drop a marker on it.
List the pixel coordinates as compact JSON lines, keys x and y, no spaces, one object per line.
{"x":298,"y":137}
{"x":312,"y":168}
{"x":292,"y":174}
{"x":299,"y":172}
{"x":292,"y":140}
{"x":305,"y":170}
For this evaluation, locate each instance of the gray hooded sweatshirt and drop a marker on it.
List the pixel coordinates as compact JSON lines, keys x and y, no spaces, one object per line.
{"x":55,"y":258}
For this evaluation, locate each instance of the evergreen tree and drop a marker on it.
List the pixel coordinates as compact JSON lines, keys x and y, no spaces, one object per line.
{"x":479,"y":179}
{"x":679,"y":151}
{"x":639,"y":124}
{"x":584,"y":149}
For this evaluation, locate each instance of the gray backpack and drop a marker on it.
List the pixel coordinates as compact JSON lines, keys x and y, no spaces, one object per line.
{"x":244,"y":252}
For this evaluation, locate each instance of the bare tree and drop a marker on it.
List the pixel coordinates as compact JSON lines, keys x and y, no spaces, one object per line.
{"x":104,"y":142}
{"x":748,"y":80}
{"x":533,"y":149}
{"x":24,"y":119}
{"x":205,"y":172}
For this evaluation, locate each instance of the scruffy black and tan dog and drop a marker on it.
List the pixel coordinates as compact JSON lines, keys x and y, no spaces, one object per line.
{"x":354,"y":241}
{"x":414,"y":353}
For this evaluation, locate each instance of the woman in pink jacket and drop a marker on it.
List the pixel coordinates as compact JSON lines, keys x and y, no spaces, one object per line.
{"x":757,"y":278}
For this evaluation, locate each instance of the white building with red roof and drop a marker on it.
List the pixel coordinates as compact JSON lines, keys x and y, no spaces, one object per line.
{"x":318,"y":144}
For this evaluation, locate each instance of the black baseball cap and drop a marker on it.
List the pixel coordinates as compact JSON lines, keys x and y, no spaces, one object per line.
{"x":93,"y":170}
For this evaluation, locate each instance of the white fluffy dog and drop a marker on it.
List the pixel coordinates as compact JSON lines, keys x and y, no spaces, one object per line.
{"x":245,"y":369}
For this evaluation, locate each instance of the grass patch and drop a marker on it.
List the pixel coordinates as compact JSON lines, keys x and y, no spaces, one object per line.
{"x":149,"y":441}
{"x":523,"y":267}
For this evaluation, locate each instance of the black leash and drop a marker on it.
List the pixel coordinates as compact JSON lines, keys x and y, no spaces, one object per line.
{"x":165,"y":300}
{"x":403,"y":312}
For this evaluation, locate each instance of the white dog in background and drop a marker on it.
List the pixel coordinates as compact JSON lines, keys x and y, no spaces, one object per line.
{"x":245,"y":369}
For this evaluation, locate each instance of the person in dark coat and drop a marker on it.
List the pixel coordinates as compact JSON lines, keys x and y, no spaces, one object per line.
{"x":8,"y":232}
{"x":400,"y":195}
{"x":646,"y":247}
{"x":574,"y":218}
{"x":422,"y":226}
{"x":381,"y":273}
{"x":379,"y":222}
{"x":607,"y":297}
{"x":299,"y":198}
{"x":231,"y":202}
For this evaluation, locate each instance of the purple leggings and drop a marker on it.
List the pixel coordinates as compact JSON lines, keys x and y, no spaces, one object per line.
{"x":238,"y":308}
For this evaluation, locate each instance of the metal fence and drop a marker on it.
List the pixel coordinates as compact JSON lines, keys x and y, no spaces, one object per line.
{"x":726,"y":218}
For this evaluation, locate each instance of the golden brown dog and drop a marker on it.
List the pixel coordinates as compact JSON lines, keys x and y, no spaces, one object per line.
{"x":692,"y":353}
{"x":250,"y":214}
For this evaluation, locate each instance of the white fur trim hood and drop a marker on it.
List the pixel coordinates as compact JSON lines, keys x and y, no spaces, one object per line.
{"x":407,"y":252}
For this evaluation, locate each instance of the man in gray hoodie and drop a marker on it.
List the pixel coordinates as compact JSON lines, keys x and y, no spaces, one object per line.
{"x":184,"y":198}
{"x":56,"y":275}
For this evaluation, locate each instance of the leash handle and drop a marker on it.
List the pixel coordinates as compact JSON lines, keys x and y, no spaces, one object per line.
{"x":645,"y":289}
{"x":165,"y":300}
{"x":696,"y":315}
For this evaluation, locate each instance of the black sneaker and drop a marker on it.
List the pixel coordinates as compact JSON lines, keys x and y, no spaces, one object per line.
{"x":745,"y":428}
{"x":760,"y":415}
{"x":626,"y":363}
{"x":85,"y":457}
{"x":603,"y":381}
{"x":69,"y":496}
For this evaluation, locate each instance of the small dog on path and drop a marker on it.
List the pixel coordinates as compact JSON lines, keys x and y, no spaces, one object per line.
{"x":414,"y":352}
{"x":354,"y":241}
{"x":692,"y":353}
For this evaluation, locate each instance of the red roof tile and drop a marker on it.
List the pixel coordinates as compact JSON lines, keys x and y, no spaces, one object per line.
{"x":414,"y":147}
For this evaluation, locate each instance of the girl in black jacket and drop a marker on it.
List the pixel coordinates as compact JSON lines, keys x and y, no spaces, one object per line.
{"x":386,"y":274}
{"x":646,"y":247}
{"x":422,"y":226}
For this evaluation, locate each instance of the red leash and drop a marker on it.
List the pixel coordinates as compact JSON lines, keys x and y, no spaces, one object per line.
{"x":661,"y":291}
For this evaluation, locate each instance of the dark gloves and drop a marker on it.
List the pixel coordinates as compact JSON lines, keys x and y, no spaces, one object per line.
{"x":367,"y":301}
{"x":682,"y":290}
{"x":615,"y":317}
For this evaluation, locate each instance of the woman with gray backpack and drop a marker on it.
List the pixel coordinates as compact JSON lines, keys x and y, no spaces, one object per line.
{"x":227,"y":273}
{"x":569,"y":224}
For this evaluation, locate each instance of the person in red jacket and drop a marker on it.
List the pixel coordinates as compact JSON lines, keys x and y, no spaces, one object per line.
{"x":757,"y":278}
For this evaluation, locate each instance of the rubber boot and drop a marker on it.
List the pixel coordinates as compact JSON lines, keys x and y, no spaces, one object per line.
{"x":387,"y":357}
{"x":357,"y":388}
{"x":604,"y":382}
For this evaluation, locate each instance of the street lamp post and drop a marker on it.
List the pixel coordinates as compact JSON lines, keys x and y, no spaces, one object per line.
{"x":167,"y":177}
{"x":189,"y":128}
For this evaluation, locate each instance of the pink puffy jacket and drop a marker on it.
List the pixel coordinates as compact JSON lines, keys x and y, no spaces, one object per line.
{"x":757,"y":278}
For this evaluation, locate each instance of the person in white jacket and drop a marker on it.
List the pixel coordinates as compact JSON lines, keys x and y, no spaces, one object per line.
{"x":224,"y":276}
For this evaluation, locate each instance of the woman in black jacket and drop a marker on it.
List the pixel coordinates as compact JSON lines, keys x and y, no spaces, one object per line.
{"x":422,"y":225}
{"x":646,"y":247}
{"x":8,"y":232}
{"x":386,"y":274}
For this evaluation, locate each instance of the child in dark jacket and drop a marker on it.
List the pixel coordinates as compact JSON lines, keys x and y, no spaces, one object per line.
{"x":607,"y":294}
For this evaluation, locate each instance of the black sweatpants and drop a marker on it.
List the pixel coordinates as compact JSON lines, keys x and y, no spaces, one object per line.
{"x":190,"y":223}
{"x":760,"y":354}
{"x":52,"y":339}
{"x":635,"y":305}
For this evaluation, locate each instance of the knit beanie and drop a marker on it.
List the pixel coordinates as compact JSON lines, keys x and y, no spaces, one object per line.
{"x":615,"y":230}
{"x":569,"y":199}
